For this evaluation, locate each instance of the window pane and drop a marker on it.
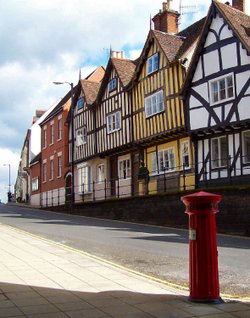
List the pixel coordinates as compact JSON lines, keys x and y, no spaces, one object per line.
{"x":154,"y":108}
{"x":222,"y":89}
{"x":148,"y":107}
{"x":246,"y":146}
{"x":215,"y":153}
{"x":154,"y":163}
{"x":230,"y":91}
{"x":80,"y":103}
{"x":155,"y":61}
{"x":160,"y":101}
{"x":161,"y":161}
{"x":185,"y":154}
{"x":117,"y":119}
{"x":171,"y":159}
{"x":150,"y":66}
{"x":215,"y":95}
{"x":223,"y":151}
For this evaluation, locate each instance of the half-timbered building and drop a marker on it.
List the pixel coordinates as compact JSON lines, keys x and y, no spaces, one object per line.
{"x":85,"y":146}
{"x":113,"y":129}
{"x":217,"y":94}
{"x":159,"y":128}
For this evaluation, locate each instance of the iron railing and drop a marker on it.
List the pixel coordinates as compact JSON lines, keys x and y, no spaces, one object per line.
{"x":178,"y":179}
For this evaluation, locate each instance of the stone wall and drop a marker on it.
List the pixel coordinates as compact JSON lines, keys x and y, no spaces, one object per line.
{"x":168,"y":210}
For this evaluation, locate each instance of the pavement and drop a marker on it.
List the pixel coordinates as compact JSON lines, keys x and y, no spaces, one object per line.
{"x":42,"y":278}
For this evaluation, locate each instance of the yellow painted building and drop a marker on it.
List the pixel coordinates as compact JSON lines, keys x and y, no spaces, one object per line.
{"x":158,"y":116}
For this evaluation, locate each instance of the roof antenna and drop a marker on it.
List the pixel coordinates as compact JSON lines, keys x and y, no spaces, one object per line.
{"x":187,"y":11}
{"x":150,"y":23}
{"x":110,"y":51}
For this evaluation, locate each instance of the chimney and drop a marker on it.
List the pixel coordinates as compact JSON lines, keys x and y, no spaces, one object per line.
{"x":167,"y":19}
{"x":239,"y":4}
{"x":118,"y":54}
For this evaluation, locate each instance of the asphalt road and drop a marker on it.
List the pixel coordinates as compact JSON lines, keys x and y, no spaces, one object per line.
{"x":156,"y":251}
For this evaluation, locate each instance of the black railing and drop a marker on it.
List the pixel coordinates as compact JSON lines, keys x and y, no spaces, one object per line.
{"x":176,"y":179}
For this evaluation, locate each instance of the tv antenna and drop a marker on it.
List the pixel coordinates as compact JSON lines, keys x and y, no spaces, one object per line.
{"x":186,"y":9}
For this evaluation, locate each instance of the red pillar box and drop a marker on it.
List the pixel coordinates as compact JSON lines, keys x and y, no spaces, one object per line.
{"x":203,"y":255}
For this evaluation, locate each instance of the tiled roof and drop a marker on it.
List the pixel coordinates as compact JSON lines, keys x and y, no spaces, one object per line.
{"x":125,"y":69}
{"x":174,"y":46}
{"x":238,"y":20}
{"x":36,"y":159}
{"x":191,"y":34}
{"x":96,"y":75}
{"x":170,"y":44}
{"x":59,"y":106}
{"x":90,"y":90}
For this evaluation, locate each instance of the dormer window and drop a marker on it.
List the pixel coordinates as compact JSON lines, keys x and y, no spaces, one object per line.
{"x":80,"y":103}
{"x":112,"y":84}
{"x":153,"y":63}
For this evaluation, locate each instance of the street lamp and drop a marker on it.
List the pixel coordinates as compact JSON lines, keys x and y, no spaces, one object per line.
{"x":9,"y":192}
{"x":72,"y":140}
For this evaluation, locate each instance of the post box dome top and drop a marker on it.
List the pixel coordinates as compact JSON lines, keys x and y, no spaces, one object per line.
{"x":203,"y":196}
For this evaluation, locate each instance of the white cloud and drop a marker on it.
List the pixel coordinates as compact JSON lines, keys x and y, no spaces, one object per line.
{"x":134,"y":54}
{"x":50,"y":40}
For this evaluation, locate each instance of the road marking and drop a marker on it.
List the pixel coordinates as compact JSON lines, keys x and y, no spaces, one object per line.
{"x":101,"y":260}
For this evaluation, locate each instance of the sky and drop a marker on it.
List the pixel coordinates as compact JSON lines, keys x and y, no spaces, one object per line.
{"x":43,"y":41}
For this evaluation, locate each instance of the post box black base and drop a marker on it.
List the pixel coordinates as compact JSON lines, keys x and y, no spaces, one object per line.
{"x":215,"y":301}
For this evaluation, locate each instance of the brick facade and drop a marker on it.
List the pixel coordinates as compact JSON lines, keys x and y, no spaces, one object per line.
{"x":54,"y":157}
{"x":166,"y":20}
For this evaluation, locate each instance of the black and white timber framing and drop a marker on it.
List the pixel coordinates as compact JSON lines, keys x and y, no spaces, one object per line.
{"x":217,"y":98}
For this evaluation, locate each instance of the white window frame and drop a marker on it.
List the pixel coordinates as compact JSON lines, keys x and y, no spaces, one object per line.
{"x":217,"y":81}
{"x":45,"y":137}
{"x":44,"y":170}
{"x":246,"y":154}
{"x":52,"y":133}
{"x":81,"y":136}
{"x":154,"y":104}
{"x":35,"y":184}
{"x":59,"y":127}
{"x":113,"y":122}
{"x":51,"y":168}
{"x":218,"y":162}
{"x":153,"y":63}
{"x":112,"y":84}
{"x":85,"y":179}
{"x":124,"y":168}
{"x":185,"y":153}
{"x":59,"y":165}
{"x":159,"y":161}
{"x":100,"y":173}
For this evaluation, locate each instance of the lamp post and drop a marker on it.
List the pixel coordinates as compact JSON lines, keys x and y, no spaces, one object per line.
{"x":72,"y":141}
{"x":9,"y":192}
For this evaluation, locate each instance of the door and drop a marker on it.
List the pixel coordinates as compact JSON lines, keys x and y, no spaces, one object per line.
{"x":113,"y":175}
{"x":135,"y":171}
{"x":68,"y":188}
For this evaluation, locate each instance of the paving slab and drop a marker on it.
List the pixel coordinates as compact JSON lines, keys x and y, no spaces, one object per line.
{"x":42,"y":279}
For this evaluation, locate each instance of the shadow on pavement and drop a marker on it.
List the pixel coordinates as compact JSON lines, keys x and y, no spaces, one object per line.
{"x":32,"y":301}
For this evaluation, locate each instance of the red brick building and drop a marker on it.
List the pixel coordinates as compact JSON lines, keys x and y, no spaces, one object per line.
{"x":54,"y":154}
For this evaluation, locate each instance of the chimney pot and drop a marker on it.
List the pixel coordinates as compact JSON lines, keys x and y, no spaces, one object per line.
{"x":167,"y":19}
{"x":239,"y":4}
